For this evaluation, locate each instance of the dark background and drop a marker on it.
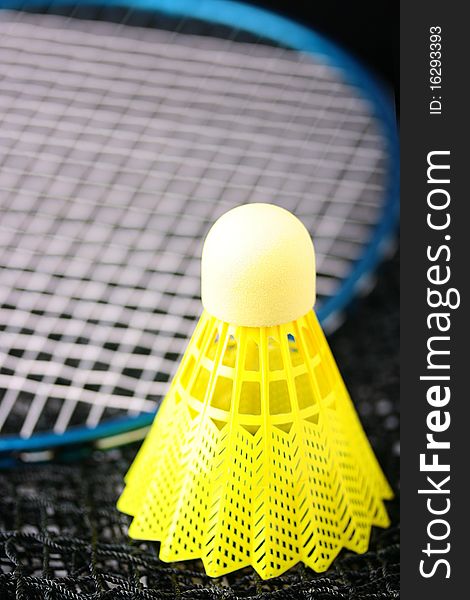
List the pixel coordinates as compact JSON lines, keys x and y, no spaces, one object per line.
{"x":370,"y":29}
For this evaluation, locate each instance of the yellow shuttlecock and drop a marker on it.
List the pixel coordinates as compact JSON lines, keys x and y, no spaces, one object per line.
{"x":256,"y":456}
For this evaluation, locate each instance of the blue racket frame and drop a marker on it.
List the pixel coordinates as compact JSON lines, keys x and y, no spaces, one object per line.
{"x":282,"y":30}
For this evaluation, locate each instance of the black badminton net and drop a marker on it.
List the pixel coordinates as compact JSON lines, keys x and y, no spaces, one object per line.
{"x":119,"y":146}
{"x":61,"y":537}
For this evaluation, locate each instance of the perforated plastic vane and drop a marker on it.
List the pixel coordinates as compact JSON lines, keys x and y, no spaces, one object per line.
{"x":257,"y":456}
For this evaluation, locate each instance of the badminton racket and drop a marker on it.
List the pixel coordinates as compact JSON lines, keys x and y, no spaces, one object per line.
{"x":126,"y":130}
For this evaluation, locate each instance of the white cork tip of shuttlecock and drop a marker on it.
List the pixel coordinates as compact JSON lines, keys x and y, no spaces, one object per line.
{"x":258,"y":267}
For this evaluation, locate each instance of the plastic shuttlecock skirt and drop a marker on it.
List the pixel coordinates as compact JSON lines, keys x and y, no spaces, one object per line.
{"x":256,"y":456}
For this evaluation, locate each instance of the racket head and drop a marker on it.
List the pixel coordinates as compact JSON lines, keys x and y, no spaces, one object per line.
{"x":287,"y":36}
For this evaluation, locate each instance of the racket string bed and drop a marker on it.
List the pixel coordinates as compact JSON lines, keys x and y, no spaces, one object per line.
{"x":119,"y":146}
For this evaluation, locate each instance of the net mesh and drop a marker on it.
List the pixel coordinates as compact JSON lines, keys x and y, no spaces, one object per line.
{"x":119,"y":146}
{"x":61,"y":536}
